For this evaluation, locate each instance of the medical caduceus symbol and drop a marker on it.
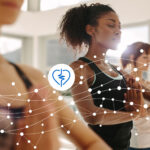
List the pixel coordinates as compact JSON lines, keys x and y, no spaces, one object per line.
{"x":63,"y":78}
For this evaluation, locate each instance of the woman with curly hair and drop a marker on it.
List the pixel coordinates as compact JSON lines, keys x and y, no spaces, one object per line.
{"x":100,"y":90}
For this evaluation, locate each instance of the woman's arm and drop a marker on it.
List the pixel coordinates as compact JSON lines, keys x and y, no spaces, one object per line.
{"x":103,"y":116}
{"x":80,"y":134}
{"x":42,"y":129}
{"x":96,"y":115}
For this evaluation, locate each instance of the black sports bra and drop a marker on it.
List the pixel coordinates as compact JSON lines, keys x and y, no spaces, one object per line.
{"x":108,"y":92}
{"x":18,"y":112}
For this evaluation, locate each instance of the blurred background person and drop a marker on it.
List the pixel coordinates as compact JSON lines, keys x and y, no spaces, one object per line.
{"x":135,"y":60}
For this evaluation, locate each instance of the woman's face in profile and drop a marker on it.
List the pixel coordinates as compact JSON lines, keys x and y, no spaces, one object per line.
{"x":108,"y":31}
{"x":141,"y":60}
{"x":9,"y":10}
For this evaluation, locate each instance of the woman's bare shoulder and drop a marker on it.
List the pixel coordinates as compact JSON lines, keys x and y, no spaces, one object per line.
{"x":80,"y":68}
{"x":79,"y":65}
{"x":35,"y":75}
{"x":76,"y":64}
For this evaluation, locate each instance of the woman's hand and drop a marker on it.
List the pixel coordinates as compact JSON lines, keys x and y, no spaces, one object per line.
{"x":134,"y":98}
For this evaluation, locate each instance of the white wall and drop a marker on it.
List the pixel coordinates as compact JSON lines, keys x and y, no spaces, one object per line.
{"x":45,"y":23}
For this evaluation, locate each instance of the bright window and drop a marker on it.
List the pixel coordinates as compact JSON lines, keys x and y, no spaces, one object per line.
{"x":25,"y":5}
{"x":10,"y":48}
{"x":129,"y":36}
{"x":57,"y":52}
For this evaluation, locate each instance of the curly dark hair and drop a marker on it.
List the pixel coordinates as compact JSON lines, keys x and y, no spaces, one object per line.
{"x":134,"y":49}
{"x":72,"y":26}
